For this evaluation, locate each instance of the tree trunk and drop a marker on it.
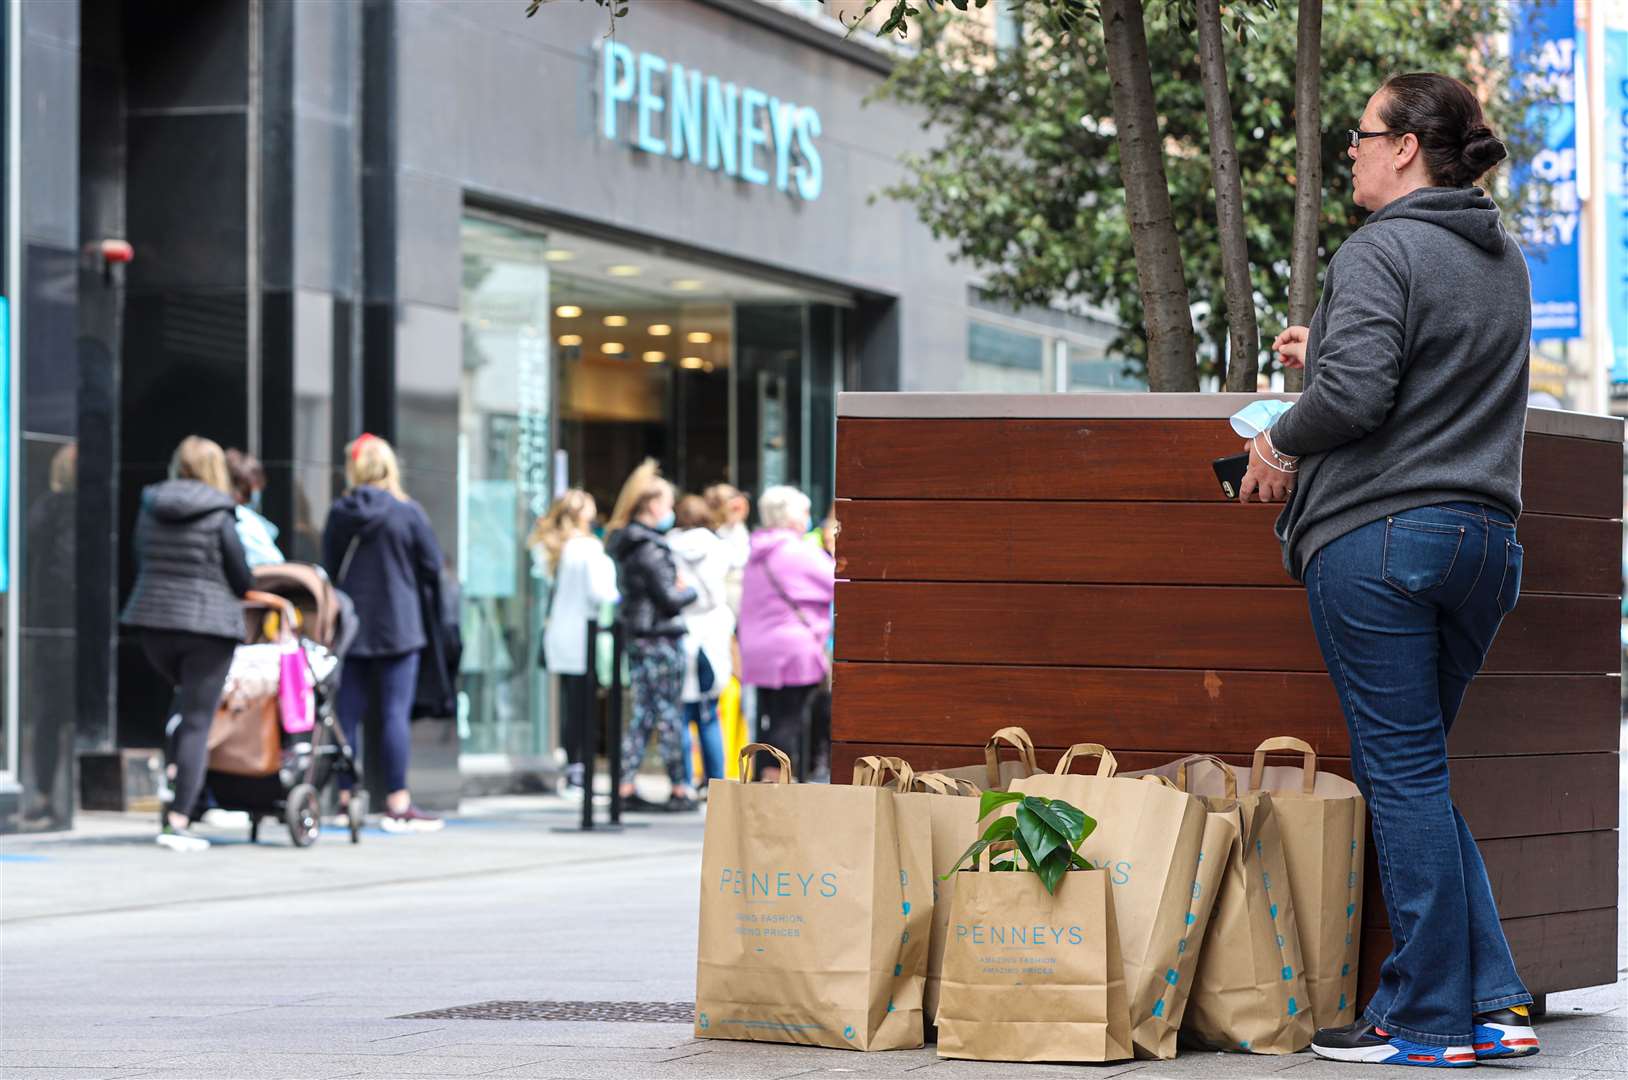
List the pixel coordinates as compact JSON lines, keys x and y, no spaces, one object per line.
{"x":1308,"y":172}
{"x":1172,"y":359}
{"x":1244,"y":361}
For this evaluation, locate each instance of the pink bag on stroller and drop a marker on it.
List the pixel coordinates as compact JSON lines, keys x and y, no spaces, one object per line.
{"x":294,"y":691}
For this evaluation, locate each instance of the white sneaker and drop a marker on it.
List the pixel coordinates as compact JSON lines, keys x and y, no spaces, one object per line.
{"x":181,"y":840}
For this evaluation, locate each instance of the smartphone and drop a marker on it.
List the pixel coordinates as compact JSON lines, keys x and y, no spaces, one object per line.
{"x":1230,"y":471}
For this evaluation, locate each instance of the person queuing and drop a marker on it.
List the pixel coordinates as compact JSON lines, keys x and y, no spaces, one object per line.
{"x":582,"y":580}
{"x":652,"y":625}
{"x":259,"y":536}
{"x":785,"y":620}
{"x":191,"y":575}
{"x":1402,"y":466}
{"x":379,"y":548}
{"x":704,"y":559}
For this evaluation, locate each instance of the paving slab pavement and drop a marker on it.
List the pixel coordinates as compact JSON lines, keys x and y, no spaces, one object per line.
{"x":119,"y":959}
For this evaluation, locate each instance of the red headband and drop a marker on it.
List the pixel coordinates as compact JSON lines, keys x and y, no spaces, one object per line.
{"x":361,"y":440}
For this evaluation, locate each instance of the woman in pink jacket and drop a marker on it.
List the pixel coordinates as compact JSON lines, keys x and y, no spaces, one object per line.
{"x":784,"y":624}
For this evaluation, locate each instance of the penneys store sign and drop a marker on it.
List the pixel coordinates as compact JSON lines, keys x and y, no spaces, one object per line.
{"x":663,"y":108}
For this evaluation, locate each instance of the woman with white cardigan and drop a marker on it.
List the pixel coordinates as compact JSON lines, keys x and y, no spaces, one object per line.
{"x":583,"y":580}
{"x":704,"y":559}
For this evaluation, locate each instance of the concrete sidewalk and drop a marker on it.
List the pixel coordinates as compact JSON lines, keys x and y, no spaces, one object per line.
{"x":119,"y":959}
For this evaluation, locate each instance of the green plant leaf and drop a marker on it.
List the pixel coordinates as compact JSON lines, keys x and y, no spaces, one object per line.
{"x":999,"y":830}
{"x":1038,"y":835}
{"x":1080,"y":861}
{"x":1066,"y":821}
{"x":994,"y":800}
{"x":1052,"y":869}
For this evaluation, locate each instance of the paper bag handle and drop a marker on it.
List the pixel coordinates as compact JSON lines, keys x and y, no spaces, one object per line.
{"x":1163,"y":781}
{"x":1228,"y":778}
{"x":875,"y":771}
{"x":748,"y":762}
{"x":1107,"y":766}
{"x":1000,"y":847}
{"x":939,"y":784}
{"x":1015,"y":737}
{"x":1257,"y":770}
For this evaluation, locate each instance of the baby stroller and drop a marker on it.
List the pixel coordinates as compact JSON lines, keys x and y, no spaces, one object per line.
{"x":254,"y":765}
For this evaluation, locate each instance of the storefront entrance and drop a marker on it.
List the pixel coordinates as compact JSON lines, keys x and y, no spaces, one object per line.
{"x":582,"y":357}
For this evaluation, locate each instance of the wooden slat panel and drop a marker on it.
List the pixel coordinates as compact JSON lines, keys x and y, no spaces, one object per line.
{"x":1159,"y":626}
{"x":1174,"y":710}
{"x":1137,"y":460}
{"x":1149,"y":543}
{"x":1499,"y":797}
{"x":1532,"y":875}
{"x":1562,"y":951}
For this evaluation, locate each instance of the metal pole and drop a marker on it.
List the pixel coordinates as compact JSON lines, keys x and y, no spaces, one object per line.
{"x":614,"y":731}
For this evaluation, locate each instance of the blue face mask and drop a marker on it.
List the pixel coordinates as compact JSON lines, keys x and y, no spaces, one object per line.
{"x":255,"y":500}
{"x":665,"y":522}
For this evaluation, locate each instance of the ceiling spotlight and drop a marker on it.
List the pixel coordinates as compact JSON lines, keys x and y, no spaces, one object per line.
{"x":614,"y":320}
{"x":708,"y":367}
{"x":558,"y":255}
{"x":623,"y":270}
{"x":698,"y":337}
{"x":567,"y":311}
{"x":570,"y":339}
{"x":687,"y":284}
{"x":611,"y":348}
{"x":660,"y":329}
{"x":654,"y":356}
{"x":692,"y":363}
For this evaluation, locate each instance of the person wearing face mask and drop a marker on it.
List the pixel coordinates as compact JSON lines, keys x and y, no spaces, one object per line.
{"x":1402,"y":466}
{"x":785,"y":621}
{"x":654,"y":597}
{"x":258,"y":535}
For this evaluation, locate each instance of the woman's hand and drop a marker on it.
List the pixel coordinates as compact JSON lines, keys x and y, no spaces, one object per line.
{"x":1263,"y":481}
{"x":1291,"y":347}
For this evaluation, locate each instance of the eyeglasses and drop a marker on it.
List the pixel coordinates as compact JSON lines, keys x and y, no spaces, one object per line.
{"x":1355,"y":137}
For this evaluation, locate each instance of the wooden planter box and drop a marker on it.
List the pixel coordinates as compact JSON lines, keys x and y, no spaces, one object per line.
{"x":1068,"y":563}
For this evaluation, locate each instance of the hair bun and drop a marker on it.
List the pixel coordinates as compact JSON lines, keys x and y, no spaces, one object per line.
{"x":1482,"y":150}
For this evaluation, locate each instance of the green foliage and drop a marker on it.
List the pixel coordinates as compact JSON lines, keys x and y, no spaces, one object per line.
{"x":1023,"y":180}
{"x":1045,"y":833}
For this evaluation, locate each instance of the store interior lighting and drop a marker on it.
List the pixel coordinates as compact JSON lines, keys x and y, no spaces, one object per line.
{"x":654,"y":356}
{"x":570,"y":339}
{"x":611,"y":348}
{"x":558,"y":255}
{"x":692,"y":363}
{"x":687,"y":284}
{"x":623,"y":270}
{"x":568,"y":311}
{"x":699,"y":337}
{"x":615,"y":320}
{"x":660,"y":329}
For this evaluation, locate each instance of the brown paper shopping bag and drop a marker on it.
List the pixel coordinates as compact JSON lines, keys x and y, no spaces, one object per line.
{"x":1033,"y":976}
{"x":1249,"y":992}
{"x":816,"y":911}
{"x":1149,"y":839}
{"x":1324,"y":823}
{"x":995,"y":774}
{"x":952,"y":806}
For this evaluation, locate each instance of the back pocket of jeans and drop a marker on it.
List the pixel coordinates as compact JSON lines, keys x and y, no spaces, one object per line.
{"x":1509,"y":592}
{"x":1419,"y":555}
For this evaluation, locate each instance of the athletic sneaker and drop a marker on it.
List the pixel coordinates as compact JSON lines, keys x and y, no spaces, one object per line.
{"x":1364,"y":1042}
{"x":411,"y":820}
{"x":1505,"y":1033}
{"x":181,"y":840}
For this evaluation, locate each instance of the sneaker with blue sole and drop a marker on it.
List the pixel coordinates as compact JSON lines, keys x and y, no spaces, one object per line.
{"x":1505,"y":1033}
{"x":1363,"y":1042}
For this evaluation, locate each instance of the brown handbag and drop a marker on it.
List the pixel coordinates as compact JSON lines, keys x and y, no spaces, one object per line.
{"x":245,"y":738}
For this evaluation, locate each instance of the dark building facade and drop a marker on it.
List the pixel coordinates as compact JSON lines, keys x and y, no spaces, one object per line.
{"x":526,"y":251}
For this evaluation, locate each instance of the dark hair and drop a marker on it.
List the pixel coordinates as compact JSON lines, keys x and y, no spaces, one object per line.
{"x":692,"y":512}
{"x":246,"y":472}
{"x":1444,"y":115}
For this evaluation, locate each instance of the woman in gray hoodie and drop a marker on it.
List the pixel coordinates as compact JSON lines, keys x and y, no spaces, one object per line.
{"x":1402,"y":466}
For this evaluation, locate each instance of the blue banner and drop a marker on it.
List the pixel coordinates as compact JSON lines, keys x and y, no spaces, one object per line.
{"x":1616,"y":197}
{"x":1543,"y":44}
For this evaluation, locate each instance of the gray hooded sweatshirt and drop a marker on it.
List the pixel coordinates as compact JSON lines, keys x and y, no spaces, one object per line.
{"x":1416,"y":372}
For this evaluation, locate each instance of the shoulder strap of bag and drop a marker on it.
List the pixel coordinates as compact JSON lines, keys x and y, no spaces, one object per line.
{"x":819,"y":639}
{"x":344,"y":564}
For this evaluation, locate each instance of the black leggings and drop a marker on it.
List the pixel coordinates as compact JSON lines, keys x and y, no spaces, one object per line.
{"x":195,"y":666}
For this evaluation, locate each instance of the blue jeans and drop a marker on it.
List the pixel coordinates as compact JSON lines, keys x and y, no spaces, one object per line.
{"x":386,"y":685}
{"x":704,"y":715}
{"x":1405,"y":610}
